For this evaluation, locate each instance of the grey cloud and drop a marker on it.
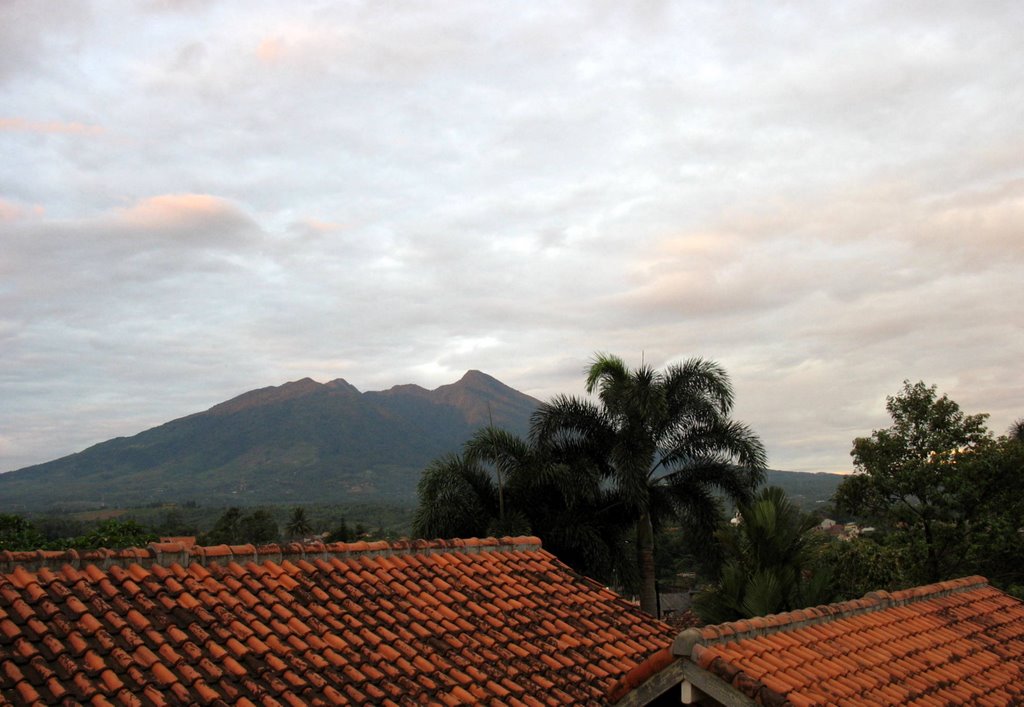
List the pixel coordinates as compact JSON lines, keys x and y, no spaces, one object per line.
{"x":823,"y":198}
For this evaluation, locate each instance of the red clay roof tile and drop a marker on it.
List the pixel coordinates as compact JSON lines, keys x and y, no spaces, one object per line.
{"x":368,"y":621}
{"x":945,"y":643}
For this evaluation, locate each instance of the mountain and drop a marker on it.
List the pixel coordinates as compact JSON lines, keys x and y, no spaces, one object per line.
{"x":811,"y":491}
{"x":299,"y":442}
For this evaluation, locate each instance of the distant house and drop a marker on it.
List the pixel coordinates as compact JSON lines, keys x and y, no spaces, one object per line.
{"x":952,"y":643}
{"x":186,"y":540}
{"x":846,"y":531}
{"x":456,"y":622}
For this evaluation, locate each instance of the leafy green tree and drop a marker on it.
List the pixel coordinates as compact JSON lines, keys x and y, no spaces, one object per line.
{"x":663,"y":442}
{"x":259,"y":527}
{"x":931,"y":477}
{"x":860,"y":565}
{"x":116,"y":534}
{"x":771,"y":562}
{"x":995,"y":531}
{"x":57,"y":529}
{"x":341,"y":533}
{"x":457,"y":498}
{"x":226,"y":530}
{"x":235,"y":528}
{"x":17,"y":533}
{"x":298,"y":525}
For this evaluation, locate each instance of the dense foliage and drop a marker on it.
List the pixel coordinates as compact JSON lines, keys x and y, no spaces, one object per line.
{"x":772,"y":562}
{"x":664,"y":443}
{"x":298,"y":527}
{"x":944,"y":492}
{"x":656,"y":446}
{"x":17,"y":533}
{"x":502,"y":485}
{"x":119,"y":528}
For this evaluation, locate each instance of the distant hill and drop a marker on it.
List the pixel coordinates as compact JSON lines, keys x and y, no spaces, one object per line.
{"x":810,"y":491}
{"x":299,"y":442}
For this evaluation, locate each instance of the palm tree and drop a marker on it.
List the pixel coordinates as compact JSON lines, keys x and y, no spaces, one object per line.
{"x":771,"y":558}
{"x":1017,"y":430}
{"x":502,"y":485}
{"x":662,"y":442}
{"x":457,"y":499}
{"x":298,"y":526}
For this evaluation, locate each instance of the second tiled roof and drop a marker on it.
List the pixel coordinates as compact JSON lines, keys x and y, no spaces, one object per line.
{"x":950,"y":643}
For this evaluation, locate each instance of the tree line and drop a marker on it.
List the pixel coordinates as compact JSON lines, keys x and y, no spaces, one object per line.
{"x":637,"y":482}
{"x":653,"y":457}
{"x":234,"y":526}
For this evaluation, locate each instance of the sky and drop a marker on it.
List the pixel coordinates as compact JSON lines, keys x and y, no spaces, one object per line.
{"x":202,"y":198}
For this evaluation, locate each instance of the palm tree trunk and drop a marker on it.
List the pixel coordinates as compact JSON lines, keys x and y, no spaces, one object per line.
{"x":645,"y":563}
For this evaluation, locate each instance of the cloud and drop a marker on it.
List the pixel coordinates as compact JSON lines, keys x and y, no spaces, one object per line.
{"x":199,"y":200}
{"x":49,"y":127}
{"x":184,"y":217}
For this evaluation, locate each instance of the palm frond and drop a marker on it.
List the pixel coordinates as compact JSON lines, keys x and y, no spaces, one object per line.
{"x":727,"y":439}
{"x":698,"y":387}
{"x":508,"y":452}
{"x":457,"y":498}
{"x":714,"y":474}
{"x":606,"y":372}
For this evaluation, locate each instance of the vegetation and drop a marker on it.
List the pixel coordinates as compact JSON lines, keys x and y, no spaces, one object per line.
{"x":632,"y":487}
{"x":115,"y":528}
{"x":17,"y":533}
{"x":772,"y":562}
{"x":945,"y":493}
{"x":860,"y":565}
{"x":298,"y":526}
{"x":663,"y":441}
{"x":502,"y":485}
{"x":656,"y":446}
{"x":235,"y":527}
{"x":342,"y":533}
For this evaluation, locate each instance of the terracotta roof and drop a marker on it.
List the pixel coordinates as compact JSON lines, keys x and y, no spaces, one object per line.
{"x":951,"y":643}
{"x":457,"y":622}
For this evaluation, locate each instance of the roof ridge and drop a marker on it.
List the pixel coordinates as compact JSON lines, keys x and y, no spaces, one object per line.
{"x":801,"y":618}
{"x":168,"y":553}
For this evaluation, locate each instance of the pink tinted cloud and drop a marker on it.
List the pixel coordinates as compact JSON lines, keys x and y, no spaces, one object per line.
{"x":173,"y":211}
{"x":10,"y":211}
{"x":49,"y":127}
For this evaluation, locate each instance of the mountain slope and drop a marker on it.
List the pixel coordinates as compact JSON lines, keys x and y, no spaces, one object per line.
{"x":299,"y":442}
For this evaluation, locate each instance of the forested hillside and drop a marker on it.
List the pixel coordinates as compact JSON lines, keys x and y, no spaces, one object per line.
{"x":296,"y":443}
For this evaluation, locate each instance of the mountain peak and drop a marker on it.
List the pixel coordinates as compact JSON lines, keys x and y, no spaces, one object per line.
{"x":340,"y":384}
{"x":478,"y":379}
{"x":270,"y":394}
{"x":482,"y":398}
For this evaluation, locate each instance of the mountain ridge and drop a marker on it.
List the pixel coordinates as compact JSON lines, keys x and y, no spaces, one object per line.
{"x":300,"y":441}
